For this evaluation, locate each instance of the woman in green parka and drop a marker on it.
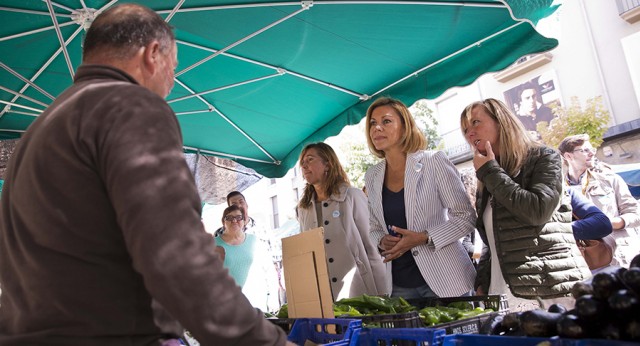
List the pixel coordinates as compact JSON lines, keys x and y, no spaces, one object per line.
{"x":524,"y":216}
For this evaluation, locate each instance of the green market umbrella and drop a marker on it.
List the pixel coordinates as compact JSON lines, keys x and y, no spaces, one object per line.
{"x":257,"y":80}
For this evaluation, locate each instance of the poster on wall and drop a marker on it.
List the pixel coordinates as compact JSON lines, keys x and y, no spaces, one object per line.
{"x":534,"y":99}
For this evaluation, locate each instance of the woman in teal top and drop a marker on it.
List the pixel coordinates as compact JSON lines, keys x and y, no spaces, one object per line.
{"x":248,"y":261}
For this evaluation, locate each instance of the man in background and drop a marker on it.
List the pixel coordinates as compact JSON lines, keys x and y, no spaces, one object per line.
{"x":530,"y":109}
{"x":608,"y":191}
{"x":237,"y":198}
{"x":101,"y":241}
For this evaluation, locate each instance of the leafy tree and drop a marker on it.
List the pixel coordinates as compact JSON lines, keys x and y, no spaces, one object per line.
{"x":427,"y":122}
{"x":358,"y":160}
{"x":357,"y":156}
{"x":573,"y":120}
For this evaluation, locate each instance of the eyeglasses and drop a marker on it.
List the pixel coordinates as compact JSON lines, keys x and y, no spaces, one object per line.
{"x":586,"y":150}
{"x":232,"y":218}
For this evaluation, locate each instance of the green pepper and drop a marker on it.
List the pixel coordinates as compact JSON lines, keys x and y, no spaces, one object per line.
{"x":380,"y":303}
{"x":345,"y":310}
{"x":461,"y":305}
{"x":448,"y":314}
{"x":471,"y":313}
{"x":430,"y":316}
{"x":283,"y":312}
{"x":400,"y":305}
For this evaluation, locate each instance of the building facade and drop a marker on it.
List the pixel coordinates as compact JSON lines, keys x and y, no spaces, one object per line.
{"x":598,"y":56}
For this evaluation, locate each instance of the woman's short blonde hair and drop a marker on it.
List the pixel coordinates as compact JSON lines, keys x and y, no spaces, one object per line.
{"x":412,"y":139}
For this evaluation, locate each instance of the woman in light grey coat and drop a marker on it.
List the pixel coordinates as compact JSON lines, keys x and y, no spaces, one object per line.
{"x":354,"y":263}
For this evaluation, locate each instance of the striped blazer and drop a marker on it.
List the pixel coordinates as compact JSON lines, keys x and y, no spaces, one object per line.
{"x":435,"y":202}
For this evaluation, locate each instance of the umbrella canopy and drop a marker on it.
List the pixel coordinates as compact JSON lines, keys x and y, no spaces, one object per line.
{"x":257,"y":80}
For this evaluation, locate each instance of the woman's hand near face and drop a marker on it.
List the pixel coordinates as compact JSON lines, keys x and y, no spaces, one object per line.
{"x":479,"y":160}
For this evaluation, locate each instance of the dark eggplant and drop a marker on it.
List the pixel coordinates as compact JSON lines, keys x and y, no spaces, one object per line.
{"x":493,"y":326}
{"x":622,"y":304}
{"x":539,"y":323}
{"x":580,"y":289}
{"x":557,"y":308}
{"x":590,"y":308}
{"x":635,"y":262}
{"x":512,"y":320}
{"x":515,"y":332}
{"x":605,"y":284}
{"x":632,"y":330}
{"x":620,"y":274}
{"x":631,"y":279}
{"x":611,"y":331}
{"x":570,"y":326}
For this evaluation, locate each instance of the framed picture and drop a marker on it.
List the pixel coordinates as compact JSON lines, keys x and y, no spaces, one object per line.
{"x":534,"y":99}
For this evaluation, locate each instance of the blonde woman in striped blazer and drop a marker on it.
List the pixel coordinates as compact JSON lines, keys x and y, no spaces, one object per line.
{"x":419,"y":209}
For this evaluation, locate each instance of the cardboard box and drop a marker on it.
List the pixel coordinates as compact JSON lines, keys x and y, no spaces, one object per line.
{"x":306,"y":275}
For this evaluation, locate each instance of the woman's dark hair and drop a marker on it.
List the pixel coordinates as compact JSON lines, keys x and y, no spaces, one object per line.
{"x":228,"y":211}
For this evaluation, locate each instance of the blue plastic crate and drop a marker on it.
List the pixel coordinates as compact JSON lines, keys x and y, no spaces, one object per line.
{"x":397,"y":336}
{"x":327,"y":331}
{"x":498,"y":340}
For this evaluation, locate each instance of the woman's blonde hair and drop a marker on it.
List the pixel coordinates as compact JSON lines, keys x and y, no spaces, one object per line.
{"x":412,"y":139}
{"x":515,"y":141}
{"x":335,"y":175}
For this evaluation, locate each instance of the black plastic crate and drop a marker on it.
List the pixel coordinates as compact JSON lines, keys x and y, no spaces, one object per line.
{"x":471,"y":325}
{"x":403,"y":320}
{"x":498,"y":303}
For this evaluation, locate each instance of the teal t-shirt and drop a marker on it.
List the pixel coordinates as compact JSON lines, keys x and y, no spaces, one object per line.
{"x":239,"y":258}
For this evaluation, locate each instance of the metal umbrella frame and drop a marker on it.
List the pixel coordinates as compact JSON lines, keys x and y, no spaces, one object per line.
{"x":257,"y":80}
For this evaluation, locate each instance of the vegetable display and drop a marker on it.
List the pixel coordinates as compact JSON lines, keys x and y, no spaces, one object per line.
{"x":432,"y":316}
{"x":366,"y":305}
{"x":606,"y":308}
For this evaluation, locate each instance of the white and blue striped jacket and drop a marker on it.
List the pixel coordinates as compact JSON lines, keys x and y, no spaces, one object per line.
{"x":435,"y":202}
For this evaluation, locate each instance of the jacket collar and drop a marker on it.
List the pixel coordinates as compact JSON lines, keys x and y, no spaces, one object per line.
{"x":341,"y":195}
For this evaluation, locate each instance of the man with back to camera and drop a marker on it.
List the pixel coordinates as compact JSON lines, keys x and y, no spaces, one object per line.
{"x":608,"y":191}
{"x":100,"y":235}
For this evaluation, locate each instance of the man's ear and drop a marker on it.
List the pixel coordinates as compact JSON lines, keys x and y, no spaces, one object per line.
{"x":151,"y":55}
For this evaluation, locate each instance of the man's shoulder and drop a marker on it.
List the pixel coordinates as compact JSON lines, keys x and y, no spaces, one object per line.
{"x":114,"y":85}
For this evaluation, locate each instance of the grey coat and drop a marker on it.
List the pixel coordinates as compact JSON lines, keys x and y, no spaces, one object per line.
{"x":532,"y":227}
{"x":354,"y":263}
